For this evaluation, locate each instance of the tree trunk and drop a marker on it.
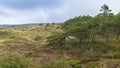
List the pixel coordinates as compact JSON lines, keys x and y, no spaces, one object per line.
{"x":117,"y":37}
{"x":107,"y":37}
{"x":93,"y":37}
{"x":79,"y":43}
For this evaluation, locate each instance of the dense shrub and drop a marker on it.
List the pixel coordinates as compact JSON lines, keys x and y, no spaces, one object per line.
{"x":93,"y":65}
{"x":58,"y":64}
{"x":115,"y":55}
{"x":14,"y":61}
{"x":38,"y":38}
{"x":74,"y":63}
{"x":4,"y":34}
{"x":64,"y":64}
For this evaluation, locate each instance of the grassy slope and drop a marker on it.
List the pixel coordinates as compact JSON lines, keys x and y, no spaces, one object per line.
{"x":21,"y":40}
{"x":29,"y":32}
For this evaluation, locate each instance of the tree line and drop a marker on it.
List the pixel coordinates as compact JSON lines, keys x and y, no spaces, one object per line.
{"x":104,"y":27}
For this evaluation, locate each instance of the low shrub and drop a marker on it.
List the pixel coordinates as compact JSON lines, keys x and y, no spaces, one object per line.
{"x":74,"y":63}
{"x":14,"y":61}
{"x":115,"y":55}
{"x":38,"y":38}
{"x":93,"y":65}
{"x":58,"y":64}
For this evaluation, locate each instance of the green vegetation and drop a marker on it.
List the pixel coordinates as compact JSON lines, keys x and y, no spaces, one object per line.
{"x":80,"y":42}
{"x":15,"y":61}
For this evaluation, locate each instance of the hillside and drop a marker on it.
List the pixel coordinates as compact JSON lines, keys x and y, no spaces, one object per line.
{"x":29,"y":32}
{"x":31,"y":43}
{"x":80,"y":42}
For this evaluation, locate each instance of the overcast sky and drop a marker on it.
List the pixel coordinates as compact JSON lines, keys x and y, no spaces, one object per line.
{"x":43,"y":11}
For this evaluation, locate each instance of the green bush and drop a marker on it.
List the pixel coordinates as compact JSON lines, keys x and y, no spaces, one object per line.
{"x":4,"y":34}
{"x":38,"y":38}
{"x":41,"y":24}
{"x":12,"y":37}
{"x":112,"y":55}
{"x":58,"y":64}
{"x":13,"y":61}
{"x":64,"y":64}
{"x":74,"y":63}
{"x":93,"y":65}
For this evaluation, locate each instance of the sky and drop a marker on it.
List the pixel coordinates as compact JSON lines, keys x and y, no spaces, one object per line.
{"x":48,"y":11}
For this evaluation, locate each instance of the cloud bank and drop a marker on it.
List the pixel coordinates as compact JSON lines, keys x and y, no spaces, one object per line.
{"x":43,"y":11}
